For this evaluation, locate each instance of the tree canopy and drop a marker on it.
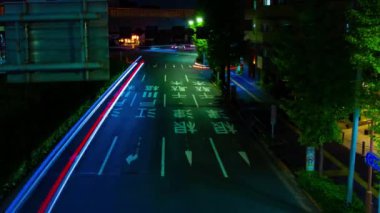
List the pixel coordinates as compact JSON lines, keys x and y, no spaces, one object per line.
{"x":313,"y":56}
{"x":364,"y":39}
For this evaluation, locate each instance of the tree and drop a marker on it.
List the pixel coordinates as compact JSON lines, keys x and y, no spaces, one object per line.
{"x":364,"y":37}
{"x":313,"y":56}
{"x":224,"y":21}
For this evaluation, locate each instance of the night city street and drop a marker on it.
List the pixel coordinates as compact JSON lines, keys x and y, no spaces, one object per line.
{"x":169,"y":143}
{"x":189,"y":106}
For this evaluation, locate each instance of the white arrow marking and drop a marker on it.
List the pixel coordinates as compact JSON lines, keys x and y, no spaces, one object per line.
{"x":131,"y":158}
{"x":189,"y":156}
{"x":245,"y":157}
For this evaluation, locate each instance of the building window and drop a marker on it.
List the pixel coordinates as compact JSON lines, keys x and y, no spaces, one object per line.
{"x":267,"y":2}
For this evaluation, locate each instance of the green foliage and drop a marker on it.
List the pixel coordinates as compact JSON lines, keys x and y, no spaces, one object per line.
{"x":315,"y":60}
{"x":330,"y":196}
{"x":364,"y":37}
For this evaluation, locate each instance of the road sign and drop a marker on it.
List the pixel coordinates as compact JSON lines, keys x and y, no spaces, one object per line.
{"x":373,"y":161}
{"x":310,"y":158}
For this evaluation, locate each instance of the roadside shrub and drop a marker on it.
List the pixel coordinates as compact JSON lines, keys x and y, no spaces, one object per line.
{"x":330,"y":196}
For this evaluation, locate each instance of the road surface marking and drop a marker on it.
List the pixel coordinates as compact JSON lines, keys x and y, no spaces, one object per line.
{"x":248,"y":92}
{"x":164,"y":100}
{"x":195,"y":100}
{"x":173,"y":65}
{"x":165,"y":78}
{"x":218,"y":158}
{"x":107,"y":156}
{"x":163,"y":157}
{"x":190,"y":66}
{"x":133,"y":100}
{"x":61,"y":181}
{"x":187,"y":79}
{"x":182,"y":66}
{"x":131,"y":158}
{"x":189,"y":156}
{"x":165,"y":66}
{"x":143,"y":78}
{"x":134,"y":156}
{"x":245,"y":157}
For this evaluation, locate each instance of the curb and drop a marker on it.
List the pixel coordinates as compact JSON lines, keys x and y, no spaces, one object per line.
{"x":288,"y":175}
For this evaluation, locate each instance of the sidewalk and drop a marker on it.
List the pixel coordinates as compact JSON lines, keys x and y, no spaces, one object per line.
{"x":292,"y":154}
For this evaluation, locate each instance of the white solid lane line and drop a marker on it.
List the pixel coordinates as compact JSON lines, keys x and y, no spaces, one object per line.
{"x":163,"y":157}
{"x":245,"y":90}
{"x":218,"y":158}
{"x":107,"y":156}
{"x":165,"y":78}
{"x":143,"y":78}
{"x":164,"y":100}
{"x":133,"y":100}
{"x":195,"y":100}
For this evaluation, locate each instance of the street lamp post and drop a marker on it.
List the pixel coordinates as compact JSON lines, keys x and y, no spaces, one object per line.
{"x":199,"y":22}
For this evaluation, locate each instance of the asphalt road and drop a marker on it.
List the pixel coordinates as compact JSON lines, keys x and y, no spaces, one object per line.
{"x":168,"y":145}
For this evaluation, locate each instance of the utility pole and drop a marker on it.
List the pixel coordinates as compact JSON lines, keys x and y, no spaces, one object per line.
{"x":368,"y":200}
{"x":355,"y":128}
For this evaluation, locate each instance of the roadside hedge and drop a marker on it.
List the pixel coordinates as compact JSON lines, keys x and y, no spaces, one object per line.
{"x":330,"y":196}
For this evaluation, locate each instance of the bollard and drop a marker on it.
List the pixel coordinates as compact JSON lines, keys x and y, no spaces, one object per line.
{"x":363,"y":148}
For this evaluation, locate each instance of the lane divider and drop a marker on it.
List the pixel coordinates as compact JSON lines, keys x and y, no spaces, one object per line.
{"x":107,"y":156}
{"x":163,"y":157}
{"x":65,"y":174}
{"x":218,"y":158}
{"x":248,"y":92}
{"x":40,"y":172}
{"x":195,"y":101}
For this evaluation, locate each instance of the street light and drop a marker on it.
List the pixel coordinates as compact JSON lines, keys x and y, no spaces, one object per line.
{"x":199,"y":21}
{"x":191,"y":23}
